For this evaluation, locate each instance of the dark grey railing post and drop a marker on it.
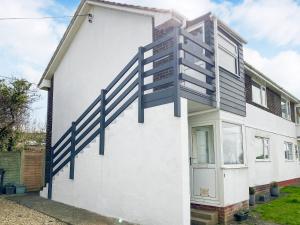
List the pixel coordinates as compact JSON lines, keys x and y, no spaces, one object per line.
{"x":140,"y":85}
{"x":177,"y":105}
{"x":102,"y":122}
{"x":50,"y":173}
{"x":72,"y":161}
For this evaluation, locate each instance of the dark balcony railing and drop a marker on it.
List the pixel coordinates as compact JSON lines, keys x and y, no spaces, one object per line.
{"x":137,"y":81}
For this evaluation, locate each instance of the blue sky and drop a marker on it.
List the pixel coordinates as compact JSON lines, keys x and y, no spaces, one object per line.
{"x":270,"y":27}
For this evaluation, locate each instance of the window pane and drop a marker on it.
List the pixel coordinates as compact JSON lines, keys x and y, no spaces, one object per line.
{"x":203,"y":148}
{"x":227,"y":61}
{"x":232,"y":144}
{"x":256,"y":94}
{"x":285,"y":109}
{"x":259,"y":146}
{"x":266,"y":148}
{"x":227,"y":45}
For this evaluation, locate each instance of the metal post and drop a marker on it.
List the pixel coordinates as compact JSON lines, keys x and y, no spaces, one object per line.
{"x":72,"y":161}
{"x":140,"y":85}
{"x":50,"y":173}
{"x":102,"y":122}
{"x":177,"y":105}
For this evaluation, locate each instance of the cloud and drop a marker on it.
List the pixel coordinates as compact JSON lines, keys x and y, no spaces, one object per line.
{"x":27,"y":45}
{"x":283,"y":68}
{"x":274,"y":21}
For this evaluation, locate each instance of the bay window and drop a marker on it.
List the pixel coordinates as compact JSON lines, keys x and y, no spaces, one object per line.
{"x":285,"y":109}
{"x":228,"y":54}
{"x":259,"y":94}
{"x":288,"y":151}
{"x":232,"y":144}
{"x":262,"y":148}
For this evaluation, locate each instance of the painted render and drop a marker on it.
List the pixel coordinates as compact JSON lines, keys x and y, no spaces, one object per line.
{"x":143,"y":177}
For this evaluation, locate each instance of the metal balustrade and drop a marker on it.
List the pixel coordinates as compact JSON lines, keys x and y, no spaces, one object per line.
{"x":131,"y":84}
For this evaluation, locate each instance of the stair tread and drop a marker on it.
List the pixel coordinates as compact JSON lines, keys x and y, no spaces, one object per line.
{"x":208,"y":212}
{"x":199,"y":219}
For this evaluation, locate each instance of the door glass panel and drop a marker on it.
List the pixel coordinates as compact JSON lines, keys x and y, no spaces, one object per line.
{"x":202,"y":145}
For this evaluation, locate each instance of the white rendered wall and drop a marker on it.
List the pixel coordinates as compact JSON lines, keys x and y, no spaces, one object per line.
{"x":234,"y":181}
{"x":143,"y":176}
{"x":99,"y":51}
{"x":278,"y":130}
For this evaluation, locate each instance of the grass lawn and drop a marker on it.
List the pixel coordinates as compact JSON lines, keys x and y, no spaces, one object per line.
{"x":284,"y":210}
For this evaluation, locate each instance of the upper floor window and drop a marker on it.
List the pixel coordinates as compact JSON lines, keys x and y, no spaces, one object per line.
{"x":285,"y":108}
{"x":262,"y":148}
{"x":298,"y":114}
{"x":228,"y":54}
{"x":233,"y":152}
{"x":288,"y":151}
{"x":259,"y":94}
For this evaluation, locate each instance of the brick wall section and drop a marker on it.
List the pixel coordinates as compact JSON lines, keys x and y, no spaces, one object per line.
{"x":159,"y":32}
{"x":273,"y":99}
{"x":293,"y":112}
{"x":274,"y":102}
{"x":266,"y":187}
{"x":49,"y":130}
{"x":225,"y":214}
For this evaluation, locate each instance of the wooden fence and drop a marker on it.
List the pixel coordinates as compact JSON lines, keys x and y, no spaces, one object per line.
{"x":26,"y":167}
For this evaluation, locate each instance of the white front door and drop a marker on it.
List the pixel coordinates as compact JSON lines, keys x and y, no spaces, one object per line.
{"x":202,"y":163}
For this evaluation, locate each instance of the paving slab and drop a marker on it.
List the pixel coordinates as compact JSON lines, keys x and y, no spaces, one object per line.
{"x":65,"y":213}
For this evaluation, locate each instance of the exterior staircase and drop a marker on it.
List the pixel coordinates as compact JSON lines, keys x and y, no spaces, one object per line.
{"x":203,"y":217}
{"x":130,"y":85}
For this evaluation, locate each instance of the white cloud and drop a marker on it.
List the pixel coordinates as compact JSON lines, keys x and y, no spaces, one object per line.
{"x":274,"y":21}
{"x":29,"y":44}
{"x":283,"y":68}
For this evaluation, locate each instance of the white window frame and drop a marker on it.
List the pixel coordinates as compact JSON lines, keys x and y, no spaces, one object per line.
{"x":288,"y":108}
{"x":262,"y":89}
{"x":264,"y":139}
{"x":234,"y":55}
{"x":233,"y":166}
{"x":286,"y":143}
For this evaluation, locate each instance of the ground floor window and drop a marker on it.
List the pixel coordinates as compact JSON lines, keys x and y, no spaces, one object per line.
{"x":288,"y":150}
{"x":262,"y":148}
{"x":232,"y":144}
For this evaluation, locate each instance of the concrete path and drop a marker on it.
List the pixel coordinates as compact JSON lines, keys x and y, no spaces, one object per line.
{"x":62,"y":212}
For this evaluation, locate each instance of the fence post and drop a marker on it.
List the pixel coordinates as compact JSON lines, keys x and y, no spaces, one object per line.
{"x":50,"y":173}
{"x":177,"y":105}
{"x":102,"y":122}
{"x":72,"y":160}
{"x":140,"y":85}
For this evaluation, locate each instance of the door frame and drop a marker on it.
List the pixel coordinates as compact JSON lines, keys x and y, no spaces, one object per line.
{"x":198,"y":199}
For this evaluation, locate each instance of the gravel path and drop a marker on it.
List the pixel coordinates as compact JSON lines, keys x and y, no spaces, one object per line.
{"x":15,"y":214}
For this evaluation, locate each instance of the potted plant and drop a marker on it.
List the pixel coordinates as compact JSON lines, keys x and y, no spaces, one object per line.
{"x":241,"y":215}
{"x":274,"y":189}
{"x":20,"y":189}
{"x":9,"y":189}
{"x":251,"y":196}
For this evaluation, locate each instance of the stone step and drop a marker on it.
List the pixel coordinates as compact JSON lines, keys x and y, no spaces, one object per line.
{"x":199,"y":221}
{"x":205,"y":214}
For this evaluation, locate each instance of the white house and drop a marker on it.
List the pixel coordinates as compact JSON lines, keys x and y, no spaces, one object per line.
{"x":158,"y":120}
